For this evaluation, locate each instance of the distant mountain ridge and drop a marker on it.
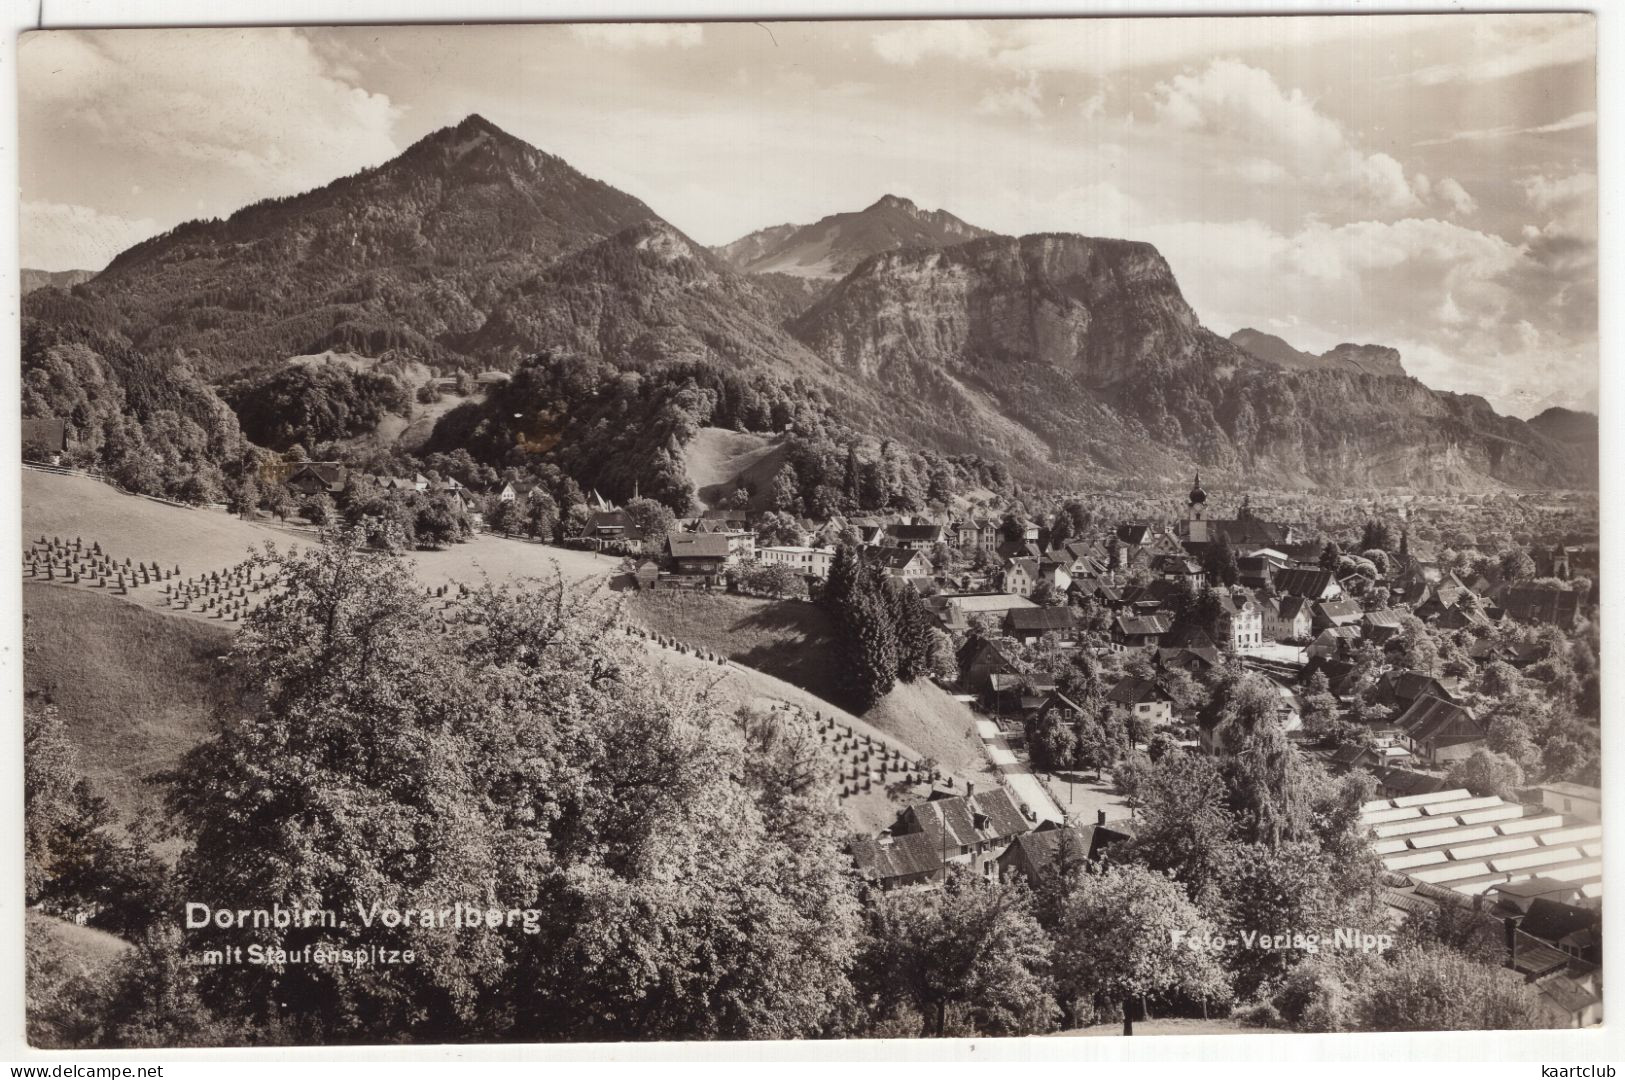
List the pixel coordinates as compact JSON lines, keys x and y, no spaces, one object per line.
{"x":1084,"y":353}
{"x":1361,"y":359}
{"x":1072,"y":359}
{"x":833,"y":246}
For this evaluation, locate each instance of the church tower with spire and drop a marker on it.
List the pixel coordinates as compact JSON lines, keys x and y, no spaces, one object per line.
{"x":1196,"y":520}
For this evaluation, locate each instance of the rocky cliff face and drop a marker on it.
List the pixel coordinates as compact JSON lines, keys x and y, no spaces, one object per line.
{"x":1093,"y":309}
{"x":1088,"y":350}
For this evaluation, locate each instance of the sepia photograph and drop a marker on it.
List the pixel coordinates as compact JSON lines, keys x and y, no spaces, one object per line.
{"x":901,"y":529}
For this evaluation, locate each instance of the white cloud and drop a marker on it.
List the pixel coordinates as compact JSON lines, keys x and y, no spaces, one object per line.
{"x":63,"y":236}
{"x":1012,"y":101}
{"x":1468,"y":310}
{"x":1245,"y":107}
{"x":1572,"y":122}
{"x":1508,"y":45}
{"x":1102,"y":45}
{"x":1549,"y":192}
{"x":258,"y":102}
{"x":1457,"y":196}
{"x":640,"y":35}
{"x":910,"y":43}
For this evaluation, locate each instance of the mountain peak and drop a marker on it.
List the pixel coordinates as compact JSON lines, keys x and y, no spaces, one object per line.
{"x":1362,"y":359}
{"x":894,"y":202}
{"x":470,"y":133}
{"x":833,"y":246}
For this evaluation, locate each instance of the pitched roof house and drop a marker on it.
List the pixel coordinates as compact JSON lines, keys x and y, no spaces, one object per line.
{"x":973,"y":829}
{"x":1027,"y":624}
{"x":1334,"y":642}
{"x":1287,"y":618}
{"x":1335,"y":613}
{"x":1542,"y":604}
{"x":910,"y":537}
{"x":979,"y":660}
{"x":1036,"y":853}
{"x":1144,"y":699}
{"x":904,"y":564}
{"x":1440,"y":731}
{"x":318,"y":478}
{"x":1140,"y":631}
{"x":1312,"y":584}
{"x":698,"y":553}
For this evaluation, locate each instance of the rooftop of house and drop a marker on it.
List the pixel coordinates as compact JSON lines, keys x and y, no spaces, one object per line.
{"x":1143,"y":625}
{"x":1463,"y":846}
{"x":1337,"y":612}
{"x":1043,"y":847}
{"x":1041,"y":619}
{"x":891,"y":558}
{"x":1296,"y":581}
{"x":1557,"y":922}
{"x":983,"y":817}
{"x":1573,"y":790}
{"x":1134,"y":691}
{"x":697,"y":545}
{"x":1433,"y":719}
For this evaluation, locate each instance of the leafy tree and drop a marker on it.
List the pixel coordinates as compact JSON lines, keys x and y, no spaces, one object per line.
{"x":1267,"y":773}
{"x":1377,"y":535}
{"x":530,"y":760}
{"x":1011,"y":530}
{"x":78,"y":860}
{"x":157,"y":1002}
{"x":1061,"y":529}
{"x":1129,"y":933}
{"x":1182,"y":826}
{"x":1516,"y":565}
{"x":1486,"y":772}
{"x":784,"y":495}
{"x":505,"y":517}
{"x":437,"y":523}
{"x":1442,"y":990}
{"x":1330,"y":556}
{"x":972,"y":950}
{"x":1284,"y":890}
{"x":243,"y":497}
{"x":319,"y":510}
{"x":541,"y":516}
{"x":1051,"y":740}
{"x":654,"y":519}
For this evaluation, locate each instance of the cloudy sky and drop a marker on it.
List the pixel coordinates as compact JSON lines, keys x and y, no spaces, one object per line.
{"x":1425,"y":182}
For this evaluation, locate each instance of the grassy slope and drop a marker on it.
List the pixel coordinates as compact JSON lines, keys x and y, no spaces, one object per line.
{"x":134,"y":687}
{"x":718,"y":460}
{"x":84,"y":945}
{"x":789,"y":640}
{"x":737,"y":686}
{"x":59,"y":954}
{"x":786,"y":638}
{"x":203,"y":540}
